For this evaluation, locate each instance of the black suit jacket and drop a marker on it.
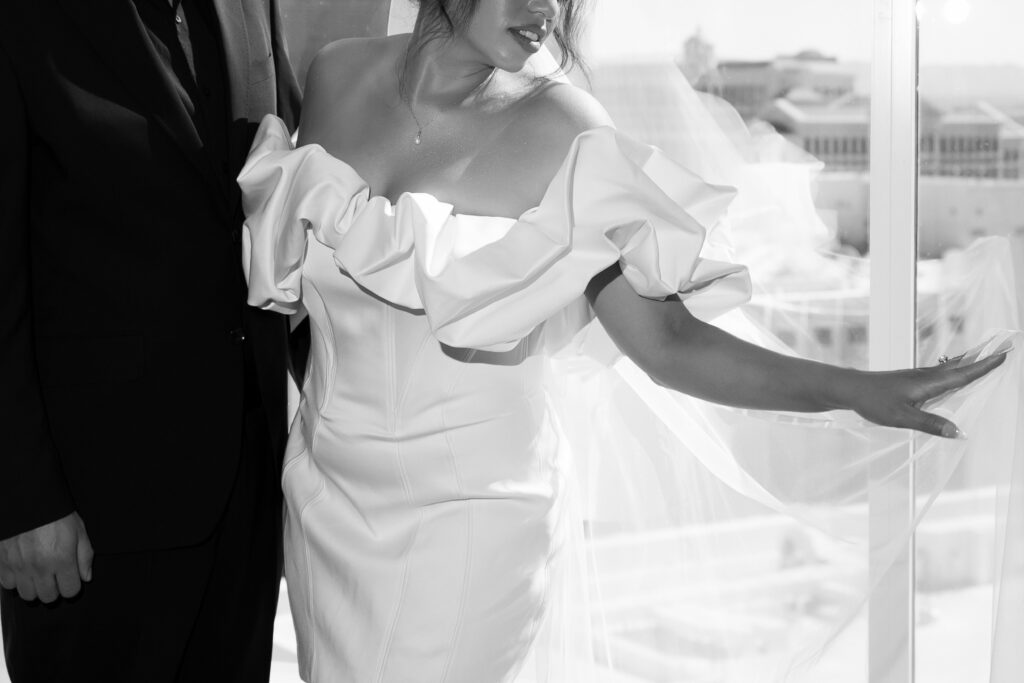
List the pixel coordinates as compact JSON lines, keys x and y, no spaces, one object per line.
{"x":122,"y":305}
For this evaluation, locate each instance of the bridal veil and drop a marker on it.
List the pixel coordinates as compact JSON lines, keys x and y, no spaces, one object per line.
{"x":703,"y":543}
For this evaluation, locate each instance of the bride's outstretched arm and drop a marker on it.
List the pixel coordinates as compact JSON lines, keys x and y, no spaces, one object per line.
{"x":688,"y":355}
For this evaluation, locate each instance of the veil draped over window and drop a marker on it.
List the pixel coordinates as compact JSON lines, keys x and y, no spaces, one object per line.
{"x":703,"y":543}
{"x":733,"y":545}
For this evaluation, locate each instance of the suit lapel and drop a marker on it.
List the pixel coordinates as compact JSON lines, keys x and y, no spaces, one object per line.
{"x":118,"y":35}
{"x":235,"y":38}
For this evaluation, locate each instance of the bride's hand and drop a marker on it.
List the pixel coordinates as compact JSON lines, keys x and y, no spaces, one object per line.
{"x":896,"y":398}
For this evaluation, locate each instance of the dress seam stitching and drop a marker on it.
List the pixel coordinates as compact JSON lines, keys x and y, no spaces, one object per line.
{"x":309,"y":575}
{"x":468,"y":564}
{"x":394,"y":421}
{"x":393,"y":625}
{"x":310,"y":449}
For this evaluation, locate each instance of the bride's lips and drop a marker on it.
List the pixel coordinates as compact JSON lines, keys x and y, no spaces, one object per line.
{"x":530,"y":37}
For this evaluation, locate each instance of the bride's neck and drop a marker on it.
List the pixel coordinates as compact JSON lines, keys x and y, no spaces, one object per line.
{"x":444,"y":74}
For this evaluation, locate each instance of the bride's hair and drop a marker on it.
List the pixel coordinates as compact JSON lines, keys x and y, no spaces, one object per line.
{"x":442,"y":19}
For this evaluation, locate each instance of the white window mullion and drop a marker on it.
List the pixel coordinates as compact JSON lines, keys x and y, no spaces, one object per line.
{"x":893,"y":246}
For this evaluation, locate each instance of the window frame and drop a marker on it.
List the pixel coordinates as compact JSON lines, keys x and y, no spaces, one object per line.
{"x":893,"y":309}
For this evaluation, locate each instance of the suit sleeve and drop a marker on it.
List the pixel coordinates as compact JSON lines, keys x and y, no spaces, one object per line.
{"x":289,"y":99}
{"x":33,"y":491}
{"x":289,"y":95}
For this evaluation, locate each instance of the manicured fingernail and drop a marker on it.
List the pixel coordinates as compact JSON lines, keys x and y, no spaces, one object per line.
{"x":953,"y":432}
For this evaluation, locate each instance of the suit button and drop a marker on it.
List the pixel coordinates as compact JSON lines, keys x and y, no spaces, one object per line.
{"x":237,"y":335}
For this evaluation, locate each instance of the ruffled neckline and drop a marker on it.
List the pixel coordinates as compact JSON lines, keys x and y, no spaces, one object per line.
{"x":316,"y":147}
{"x":488,"y":281}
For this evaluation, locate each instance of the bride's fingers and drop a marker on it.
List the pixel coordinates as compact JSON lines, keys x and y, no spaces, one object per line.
{"x":930,"y":423}
{"x":957,"y":377}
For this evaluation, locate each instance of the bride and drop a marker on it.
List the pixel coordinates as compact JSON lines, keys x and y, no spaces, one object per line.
{"x":454,"y":213}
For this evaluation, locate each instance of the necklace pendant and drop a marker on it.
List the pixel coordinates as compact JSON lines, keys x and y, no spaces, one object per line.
{"x":417,"y":140}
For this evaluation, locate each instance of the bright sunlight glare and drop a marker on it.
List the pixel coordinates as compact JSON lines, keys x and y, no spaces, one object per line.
{"x":956,"y":11}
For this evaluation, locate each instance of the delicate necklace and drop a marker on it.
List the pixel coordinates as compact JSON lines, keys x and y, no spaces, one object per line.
{"x":419,"y":127}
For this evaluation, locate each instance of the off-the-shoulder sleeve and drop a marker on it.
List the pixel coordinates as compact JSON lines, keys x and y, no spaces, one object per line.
{"x":612,"y":200}
{"x":487,"y":282}
{"x":285,"y":191}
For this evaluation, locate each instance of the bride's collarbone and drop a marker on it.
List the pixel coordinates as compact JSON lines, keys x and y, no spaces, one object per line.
{"x":476,"y":158}
{"x":474,"y":173}
{"x":471,"y":186}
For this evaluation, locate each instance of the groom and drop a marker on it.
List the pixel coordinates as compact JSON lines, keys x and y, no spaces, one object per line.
{"x":142,"y":403}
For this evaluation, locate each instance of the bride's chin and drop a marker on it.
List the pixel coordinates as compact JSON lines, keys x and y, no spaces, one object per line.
{"x":512,"y":63}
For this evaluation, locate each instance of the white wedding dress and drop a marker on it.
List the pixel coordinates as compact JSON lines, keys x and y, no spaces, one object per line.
{"x":435,"y":518}
{"x":423,"y":480}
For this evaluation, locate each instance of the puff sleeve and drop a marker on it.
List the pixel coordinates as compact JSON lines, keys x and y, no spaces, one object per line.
{"x":487,"y":282}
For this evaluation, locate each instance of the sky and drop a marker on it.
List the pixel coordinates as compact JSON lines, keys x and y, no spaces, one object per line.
{"x":952,"y":31}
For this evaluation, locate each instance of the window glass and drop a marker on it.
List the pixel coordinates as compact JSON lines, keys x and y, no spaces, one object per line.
{"x":793,"y":99}
{"x":971,"y":239}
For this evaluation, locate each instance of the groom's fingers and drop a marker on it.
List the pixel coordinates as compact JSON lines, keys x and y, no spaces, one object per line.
{"x":46,"y":588}
{"x":26,"y":587}
{"x":8,"y":579}
{"x":8,"y":562}
{"x":69,"y":582}
{"x":49,"y":561}
{"x":84,"y":555}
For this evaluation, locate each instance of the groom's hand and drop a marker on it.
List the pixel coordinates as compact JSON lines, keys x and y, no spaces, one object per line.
{"x":49,"y":561}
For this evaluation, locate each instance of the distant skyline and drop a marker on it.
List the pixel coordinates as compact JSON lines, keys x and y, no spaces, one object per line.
{"x":988,"y":33}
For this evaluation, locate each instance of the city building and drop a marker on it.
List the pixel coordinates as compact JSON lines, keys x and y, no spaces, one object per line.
{"x":952,"y":212}
{"x":815,"y":102}
{"x":975,"y":141}
{"x":752,"y":86}
{"x":1011,"y":142}
{"x":972,"y":187}
{"x":835,"y":130}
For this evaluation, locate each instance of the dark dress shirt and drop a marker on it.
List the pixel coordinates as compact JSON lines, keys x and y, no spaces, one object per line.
{"x":184,"y":36}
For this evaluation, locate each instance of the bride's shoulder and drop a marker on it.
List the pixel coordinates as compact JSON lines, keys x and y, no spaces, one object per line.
{"x":554,"y":115}
{"x":348,"y":60}
{"x":559,"y":101}
{"x":340,"y":77}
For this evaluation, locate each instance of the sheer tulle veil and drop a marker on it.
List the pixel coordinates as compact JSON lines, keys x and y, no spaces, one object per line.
{"x":702,"y":543}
